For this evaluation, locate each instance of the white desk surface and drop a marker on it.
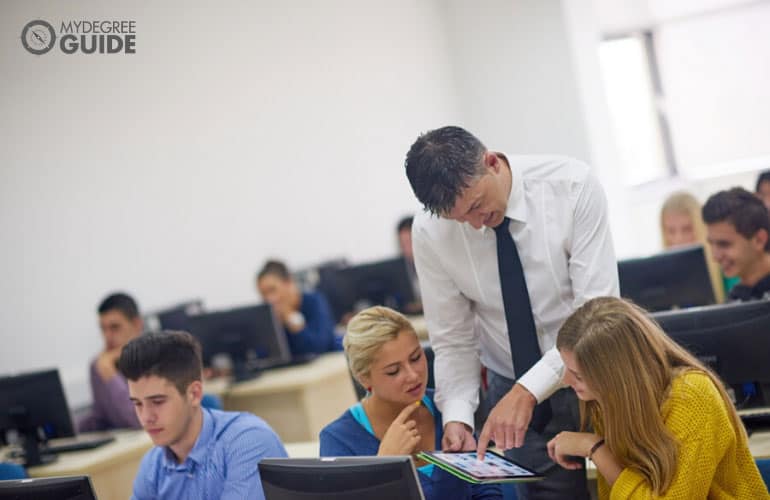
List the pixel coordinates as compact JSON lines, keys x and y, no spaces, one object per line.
{"x":420,"y":326}
{"x":291,"y":378}
{"x":304,"y":449}
{"x":128,"y":445}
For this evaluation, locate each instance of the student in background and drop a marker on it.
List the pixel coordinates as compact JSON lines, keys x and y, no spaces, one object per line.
{"x":739,"y":234}
{"x":680,"y":225}
{"x":119,"y":322}
{"x":763,"y":188}
{"x":665,"y":428}
{"x":398,"y":416}
{"x":306,"y":316}
{"x":199,"y":453}
{"x":404,"y":233}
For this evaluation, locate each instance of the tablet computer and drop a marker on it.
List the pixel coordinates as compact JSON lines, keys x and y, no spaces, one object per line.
{"x":495,"y":468}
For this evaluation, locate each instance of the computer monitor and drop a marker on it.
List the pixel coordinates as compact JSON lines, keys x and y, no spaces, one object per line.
{"x":176,"y":317}
{"x":677,"y":278}
{"x":250,"y":336}
{"x":34,"y":406}
{"x":48,"y":488}
{"x":344,"y":478}
{"x":385,"y":283}
{"x":323,"y":278}
{"x":733,"y":339}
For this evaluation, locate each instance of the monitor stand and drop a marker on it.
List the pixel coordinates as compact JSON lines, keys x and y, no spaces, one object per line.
{"x":245,"y":371}
{"x":30,"y":452}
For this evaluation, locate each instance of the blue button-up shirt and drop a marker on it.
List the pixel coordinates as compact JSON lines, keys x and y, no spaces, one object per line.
{"x":222,"y":464}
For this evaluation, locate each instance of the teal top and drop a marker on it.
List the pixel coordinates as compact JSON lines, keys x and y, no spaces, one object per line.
{"x":357,"y":410}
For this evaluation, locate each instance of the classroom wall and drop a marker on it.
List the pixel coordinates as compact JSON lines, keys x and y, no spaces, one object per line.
{"x":239,"y":130}
{"x":244,"y":130}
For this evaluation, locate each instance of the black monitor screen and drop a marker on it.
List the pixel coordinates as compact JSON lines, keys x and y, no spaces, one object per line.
{"x":734,"y":339}
{"x":49,"y":488}
{"x":345,"y":478}
{"x":675,"y":279}
{"x":34,"y":406}
{"x":175,"y":317}
{"x":385,"y":283}
{"x":323,"y":278}
{"x":251,"y":336}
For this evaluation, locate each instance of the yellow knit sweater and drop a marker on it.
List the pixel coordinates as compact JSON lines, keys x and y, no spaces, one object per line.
{"x":714,"y":460}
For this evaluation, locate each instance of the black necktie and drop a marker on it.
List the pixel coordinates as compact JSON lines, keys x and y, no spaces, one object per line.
{"x":522,"y":334}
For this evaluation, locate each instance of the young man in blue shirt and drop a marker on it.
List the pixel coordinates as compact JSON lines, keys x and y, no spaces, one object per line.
{"x":199,"y":453}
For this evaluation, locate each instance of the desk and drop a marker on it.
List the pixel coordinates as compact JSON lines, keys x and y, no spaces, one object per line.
{"x":297,"y":401}
{"x":305,"y":449}
{"x":112,"y":467}
{"x":419,"y":325}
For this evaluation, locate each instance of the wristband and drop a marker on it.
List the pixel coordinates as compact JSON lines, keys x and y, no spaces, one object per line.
{"x":595,"y":447}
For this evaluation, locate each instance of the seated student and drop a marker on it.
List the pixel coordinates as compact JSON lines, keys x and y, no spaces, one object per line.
{"x":664,"y":426}
{"x":306,"y":316}
{"x":199,"y":453}
{"x":763,"y":188}
{"x":385,"y":356}
{"x":404,"y":232}
{"x":119,"y":322}
{"x":680,"y":225}
{"x":739,"y":234}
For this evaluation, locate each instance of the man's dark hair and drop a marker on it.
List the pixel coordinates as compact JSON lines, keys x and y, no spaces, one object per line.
{"x":405,"y":223}
{"x":763,"y":177}
{"x":441,"y":164}
{"x":175,"y":356}
{"x":120,"y":302}
{"x":740,"y":208}
{"x":276,"y":268}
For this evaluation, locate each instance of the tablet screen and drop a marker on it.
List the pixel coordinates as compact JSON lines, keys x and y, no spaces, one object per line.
{"x":493,"y":465}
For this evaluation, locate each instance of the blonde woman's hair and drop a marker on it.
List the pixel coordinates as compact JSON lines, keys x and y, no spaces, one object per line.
{"x":367,"y":331}
{"x":628,"y":362}
{"x":682,"y":202}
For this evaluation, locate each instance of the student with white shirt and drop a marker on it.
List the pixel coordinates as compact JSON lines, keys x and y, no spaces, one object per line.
{"x":547,"y":217}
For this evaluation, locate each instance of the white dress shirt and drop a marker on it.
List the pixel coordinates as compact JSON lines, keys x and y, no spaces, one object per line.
{"x":559,"y":223}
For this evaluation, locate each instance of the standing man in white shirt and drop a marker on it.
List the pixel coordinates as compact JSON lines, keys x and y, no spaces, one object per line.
{"x":546,"y":216}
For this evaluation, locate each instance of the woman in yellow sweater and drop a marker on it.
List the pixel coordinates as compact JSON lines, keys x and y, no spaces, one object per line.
{"x":664,"y":427}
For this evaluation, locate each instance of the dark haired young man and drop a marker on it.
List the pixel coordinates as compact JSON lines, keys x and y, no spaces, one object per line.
{"x":200,"y":453}
{"x":520,"y":242}
{"x":738,"y":228}
{"x":119,"y":322}
{"x":763,"y":188}
{"x":404,"y":233}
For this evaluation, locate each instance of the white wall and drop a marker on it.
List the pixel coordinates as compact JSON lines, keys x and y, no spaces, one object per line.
{"x":513,"y":65}
{"x":239,"y":130}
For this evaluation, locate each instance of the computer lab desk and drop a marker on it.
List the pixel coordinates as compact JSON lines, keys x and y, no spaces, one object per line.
{"x":112,"y":467}
{"x":296,"y":401}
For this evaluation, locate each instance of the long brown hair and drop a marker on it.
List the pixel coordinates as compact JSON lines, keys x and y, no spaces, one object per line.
{"x":629,"y":363}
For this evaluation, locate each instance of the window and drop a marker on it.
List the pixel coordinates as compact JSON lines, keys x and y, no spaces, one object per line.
{"x":635,"y":102}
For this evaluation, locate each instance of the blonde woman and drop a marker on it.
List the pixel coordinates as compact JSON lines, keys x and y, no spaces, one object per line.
{"x":397,"y":417}
{"x":681,"y":224}
{"x":664,"y":427}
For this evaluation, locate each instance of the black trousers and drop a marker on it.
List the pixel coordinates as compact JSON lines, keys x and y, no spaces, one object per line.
{"x":559,"y":483}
